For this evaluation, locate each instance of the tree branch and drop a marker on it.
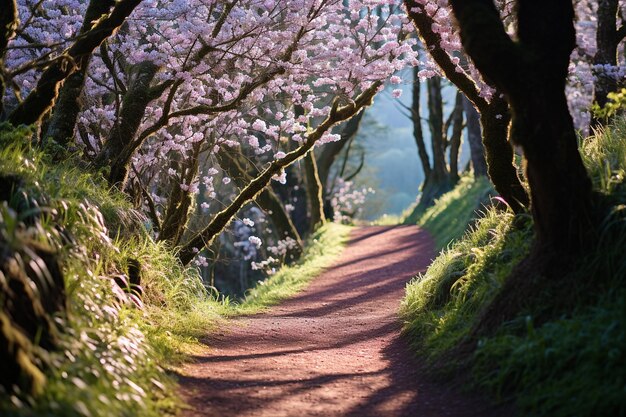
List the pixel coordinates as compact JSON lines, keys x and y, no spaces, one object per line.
{"x":484,"y":38}
{"x":220,"y":221}
{"x":432,"y":41}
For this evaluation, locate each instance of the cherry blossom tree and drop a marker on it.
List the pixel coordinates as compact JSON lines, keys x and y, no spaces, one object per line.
{"x":170,"y":87}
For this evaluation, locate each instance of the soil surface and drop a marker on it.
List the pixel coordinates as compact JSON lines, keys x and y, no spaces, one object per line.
{"x":333,"y":350}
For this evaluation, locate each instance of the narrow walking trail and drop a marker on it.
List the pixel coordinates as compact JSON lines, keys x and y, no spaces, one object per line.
{"x":333,"y":350}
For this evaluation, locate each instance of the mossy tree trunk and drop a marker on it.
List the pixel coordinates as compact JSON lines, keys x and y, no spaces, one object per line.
{"x":314,"y":192}
{"x":120,"y":145}
{"x":67,"y":106}
{"x":532,"y":73}
{"x":180,"y":202}
{"x":494,"y":122}
{"x":43,"y":96}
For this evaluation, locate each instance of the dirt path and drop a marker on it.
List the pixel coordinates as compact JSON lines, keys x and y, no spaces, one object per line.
{"x":333,"y":350}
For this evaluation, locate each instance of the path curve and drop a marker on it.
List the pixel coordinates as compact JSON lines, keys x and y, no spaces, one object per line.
{"x":335,"y":349}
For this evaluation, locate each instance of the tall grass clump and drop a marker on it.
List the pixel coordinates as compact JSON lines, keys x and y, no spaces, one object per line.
{"x":564,"y":356}
{"x":441,"y":304}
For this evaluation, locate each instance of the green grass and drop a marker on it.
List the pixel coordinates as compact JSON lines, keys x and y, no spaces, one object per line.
{"x":114,"y":347}
{"x":570,"y":365}
{"x":449,"y":217}
{"x":441,"y":305}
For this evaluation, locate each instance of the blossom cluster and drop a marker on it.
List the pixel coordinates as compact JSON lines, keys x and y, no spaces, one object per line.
{"x":347,"y":201}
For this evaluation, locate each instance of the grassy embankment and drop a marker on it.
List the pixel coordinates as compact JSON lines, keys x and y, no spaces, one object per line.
{"x":114,"y":345}
{"x":568,"y":364}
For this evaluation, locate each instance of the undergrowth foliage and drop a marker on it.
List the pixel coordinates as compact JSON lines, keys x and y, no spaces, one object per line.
{"x":567,"y":364}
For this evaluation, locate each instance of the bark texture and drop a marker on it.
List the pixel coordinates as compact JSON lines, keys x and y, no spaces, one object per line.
{"x":180,"y":202}
{"x":416,"y":118}
{"x":474,"y":138}
{"x":314,"y":192}
{"x":120,"y":144}
{"x":494,"y":122}
{"x":454,"y":142}
{"x":9,"y":21}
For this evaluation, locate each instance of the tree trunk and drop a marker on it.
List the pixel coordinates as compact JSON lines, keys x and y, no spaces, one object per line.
{"x":9,"y":21}
{"x":180,"y":201}
{"x":532,"y":73}
{"x":437,"y":134}
{"x":65,"y":112}
{"x":416,"y":118}
{"x":455,"y":137}
{"x":437,"y":180}
{"x":329,"y":151}
{"x":120,"y":145}
{"x":607,"y":39}
{"x":494,"y":121}
{"x":474,"y":138}
{"x":314,"y":192}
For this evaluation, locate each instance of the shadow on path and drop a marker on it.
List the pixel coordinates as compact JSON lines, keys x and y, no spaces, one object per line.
{"x":333,"y":350}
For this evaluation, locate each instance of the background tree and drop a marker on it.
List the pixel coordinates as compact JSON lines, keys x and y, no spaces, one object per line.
{"x":436,"y":30}
{"x":446,"y":132}
{"x":606,"y":61}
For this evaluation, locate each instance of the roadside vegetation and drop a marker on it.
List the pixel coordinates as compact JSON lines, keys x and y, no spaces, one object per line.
{"x":561,"y":356}
{"x":451,"y":214}
{"x":130,"y":309}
